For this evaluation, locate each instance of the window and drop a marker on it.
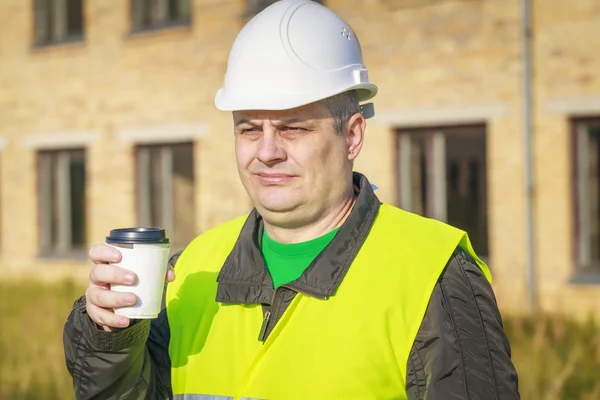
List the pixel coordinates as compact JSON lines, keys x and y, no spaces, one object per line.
{"x":394,"y":5}
{"x":165,"y":179}
{"x":62,"y":213}
{"x":155,"y":14}
{"x":58,"y":21}
{"x":442,"y":175}
{"x":256,"y":6}
{"x":587,"y":193}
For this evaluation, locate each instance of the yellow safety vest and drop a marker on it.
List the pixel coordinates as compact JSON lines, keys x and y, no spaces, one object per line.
{"x":354,"y":345}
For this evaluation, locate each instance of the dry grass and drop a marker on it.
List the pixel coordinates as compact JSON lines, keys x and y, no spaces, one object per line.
{"x":32,"y":316}
{"x":556,"y":358}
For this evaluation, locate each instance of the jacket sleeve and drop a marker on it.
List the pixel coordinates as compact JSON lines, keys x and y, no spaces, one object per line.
{"x":132,"y":363}
{"x":461,"y":350}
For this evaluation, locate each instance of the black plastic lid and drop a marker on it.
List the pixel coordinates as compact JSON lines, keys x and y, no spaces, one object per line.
{"x":137,"y":236}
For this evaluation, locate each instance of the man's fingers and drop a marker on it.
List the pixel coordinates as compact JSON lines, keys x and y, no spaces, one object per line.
{"x":108,"y":299}
{"x":103,"y":273}
{"x":105,"y":317}
{"x":104,"y":254}
{"x":101,"y":300}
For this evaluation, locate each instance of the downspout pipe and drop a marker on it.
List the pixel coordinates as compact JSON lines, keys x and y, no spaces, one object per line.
{"x":526,"y":31}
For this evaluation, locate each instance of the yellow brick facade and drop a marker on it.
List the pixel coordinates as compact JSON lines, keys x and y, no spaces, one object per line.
{"x":450,"y":62}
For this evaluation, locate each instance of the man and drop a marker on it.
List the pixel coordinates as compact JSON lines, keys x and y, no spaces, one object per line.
{"x":322,"y":292}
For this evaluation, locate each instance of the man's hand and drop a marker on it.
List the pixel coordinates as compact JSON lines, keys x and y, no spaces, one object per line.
{"x":100,"y":299}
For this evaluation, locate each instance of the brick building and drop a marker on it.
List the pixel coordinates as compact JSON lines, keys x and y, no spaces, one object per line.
{"x":107,"y":120}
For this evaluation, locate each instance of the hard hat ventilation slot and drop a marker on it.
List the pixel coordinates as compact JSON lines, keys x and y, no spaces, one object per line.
{"x":346,"y":33}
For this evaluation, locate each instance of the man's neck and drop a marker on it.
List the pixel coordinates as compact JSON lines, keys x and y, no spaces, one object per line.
{"x":328,"y":221}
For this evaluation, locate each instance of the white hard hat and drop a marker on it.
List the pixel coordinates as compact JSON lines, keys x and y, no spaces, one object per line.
{"x":293,"y":53}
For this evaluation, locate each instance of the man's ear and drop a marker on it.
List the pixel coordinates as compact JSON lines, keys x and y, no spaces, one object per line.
{"x":355,"y":129}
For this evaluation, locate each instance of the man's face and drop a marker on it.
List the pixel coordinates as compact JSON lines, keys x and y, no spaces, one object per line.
{"x":292,"y":163}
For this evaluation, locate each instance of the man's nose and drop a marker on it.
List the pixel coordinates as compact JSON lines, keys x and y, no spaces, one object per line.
{"x":271,"y":150}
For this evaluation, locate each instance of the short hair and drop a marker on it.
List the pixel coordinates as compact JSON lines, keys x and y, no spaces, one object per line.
{"x":341,"y":107}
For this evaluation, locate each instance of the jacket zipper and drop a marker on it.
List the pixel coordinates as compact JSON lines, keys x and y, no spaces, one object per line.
{"x":269,"y":313}
{"x":267,"y":318}
{"x":263,"y":328}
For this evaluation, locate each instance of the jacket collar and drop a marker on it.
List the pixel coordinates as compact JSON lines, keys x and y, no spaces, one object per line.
{"x":245,"y":279}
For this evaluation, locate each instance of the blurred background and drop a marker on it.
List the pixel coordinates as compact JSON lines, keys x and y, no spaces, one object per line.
{"x":488,"y":118}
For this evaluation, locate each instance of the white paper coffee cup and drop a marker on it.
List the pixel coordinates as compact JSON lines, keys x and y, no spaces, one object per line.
{"x":145,"y":252}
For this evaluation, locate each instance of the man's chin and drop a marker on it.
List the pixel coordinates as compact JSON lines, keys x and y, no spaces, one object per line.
{"x":276,"y":208}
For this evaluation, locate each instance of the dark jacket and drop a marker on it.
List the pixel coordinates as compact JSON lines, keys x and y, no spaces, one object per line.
{"x":460,"y":352}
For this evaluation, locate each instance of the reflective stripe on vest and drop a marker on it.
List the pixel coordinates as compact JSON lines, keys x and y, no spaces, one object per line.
{"x":206,"y":397}
{"x":354,"y":345}
{"x":200,"y":397}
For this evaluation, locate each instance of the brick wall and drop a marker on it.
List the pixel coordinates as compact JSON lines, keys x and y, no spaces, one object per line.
{"x":449,"y":63}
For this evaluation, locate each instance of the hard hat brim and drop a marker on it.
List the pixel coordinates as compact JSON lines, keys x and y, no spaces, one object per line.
{"x":224,"y":101}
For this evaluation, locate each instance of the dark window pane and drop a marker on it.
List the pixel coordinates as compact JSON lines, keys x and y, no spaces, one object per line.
{"x":51,"y":15}
{"x":178,"y":9}
{"x":183,"y":8}
{"x":453,"y":177}
{"x":172,"y":12}
{"x":594,"y":191}
{"x":156,"y":219}
{"x":184,"y":227}
{"x":78,"y":203}
{"x":141,"y":13}
{"x":55,"y":200}
{"x":413,"y":182}
{"x":51,"y":201}
{"x":466,"y":195}
{"x":418,"y":174}
{"x":474,"y":179}
{"x":255,"y":6}
{"x":74,"y":17}
{"x":42,"y":21}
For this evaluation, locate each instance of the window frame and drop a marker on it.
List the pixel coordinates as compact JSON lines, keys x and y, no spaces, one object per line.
{"x":428,"y":133}
{"x":50,"y":250}
{"x":164,"y":25}
{"x":583,"y":273}
{"x":68,"y":39}
{"x":254,"y":7}
{"x":144,"y":211}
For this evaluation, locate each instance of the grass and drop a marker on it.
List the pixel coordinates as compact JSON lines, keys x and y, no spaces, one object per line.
{"x":32,"y":316}
{"x":557,"y":359}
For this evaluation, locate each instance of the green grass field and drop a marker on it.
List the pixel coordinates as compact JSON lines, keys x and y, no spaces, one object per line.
{"x":556,"y":359}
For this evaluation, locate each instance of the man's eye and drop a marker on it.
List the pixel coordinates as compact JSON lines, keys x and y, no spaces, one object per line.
{"x":293,"y":129}
{"x":250,"y":130}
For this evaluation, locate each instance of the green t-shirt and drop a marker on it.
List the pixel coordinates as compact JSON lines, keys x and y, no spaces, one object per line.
{"x":286,"y":262}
